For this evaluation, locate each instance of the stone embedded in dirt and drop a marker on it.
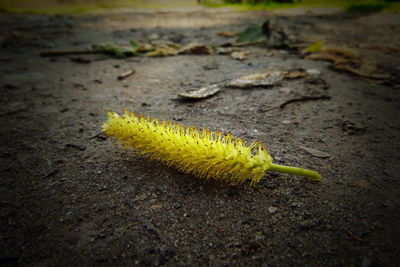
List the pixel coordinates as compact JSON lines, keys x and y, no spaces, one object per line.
{"x":201,"y":93}
{"x":296,"y":122}
{"x":272,"y":210}
{"x":315,"y":152}
{"x":285,"y":90}
{"x":211,"y":66}
{"x":256,"y":80}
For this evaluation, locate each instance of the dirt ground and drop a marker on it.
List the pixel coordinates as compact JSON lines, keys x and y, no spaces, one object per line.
{"x":71,"y":197}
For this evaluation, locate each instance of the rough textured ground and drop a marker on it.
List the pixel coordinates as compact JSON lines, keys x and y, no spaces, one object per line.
{"x":69,"y":197}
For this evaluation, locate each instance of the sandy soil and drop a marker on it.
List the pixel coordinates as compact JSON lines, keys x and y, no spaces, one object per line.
{"x":70,"y":197}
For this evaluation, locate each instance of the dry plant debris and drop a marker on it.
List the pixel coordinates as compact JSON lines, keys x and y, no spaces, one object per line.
{"x":242,"y":55}
{"x":346,"y":59}
{"x":201,"y":93}
{"x":315,"y":152}
{"x":256,"y":80}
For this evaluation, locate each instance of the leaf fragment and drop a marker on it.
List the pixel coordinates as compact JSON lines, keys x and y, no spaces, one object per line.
{"x":242,"y":55}
{"x":227,"y":34}
{"x":196,"y":49}
{"x":315,"y":152}
{"x":201,"y":93}
{"x":256,"y":80}
{"x":253,"y":33}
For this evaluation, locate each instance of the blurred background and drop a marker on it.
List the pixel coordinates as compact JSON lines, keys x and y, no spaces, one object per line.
{"x":84,"y":6}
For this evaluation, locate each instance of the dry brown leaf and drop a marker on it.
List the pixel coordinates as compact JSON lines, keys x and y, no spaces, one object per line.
{"x":294,"y":74}
{"x":256,"y":80}
{"x":227,"y":34}
{"x":244,"y":55}
{"x":196,"y":49}
{"x":332,"y":58}
{"x":341,"y":51}
{"x":163,"y":52}
{"x":362,"y":72}
{"x":203,"y":92}
{"x":315,"y":152}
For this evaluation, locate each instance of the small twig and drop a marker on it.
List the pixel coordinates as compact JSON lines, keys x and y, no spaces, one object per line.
{"x":303,"y":99}
{"x":300,"y":99}
{"x":354,"y":236}
{"x":70,"y":52}
{"x":79,"y":147}
{"x":126,"y":74}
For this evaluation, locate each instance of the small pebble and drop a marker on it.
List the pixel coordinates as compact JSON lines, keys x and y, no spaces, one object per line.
{"x":272,"y":210}
{"x":313,"y":72}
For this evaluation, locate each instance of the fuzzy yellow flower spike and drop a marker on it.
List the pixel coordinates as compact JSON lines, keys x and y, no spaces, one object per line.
{"x":205,"y":154}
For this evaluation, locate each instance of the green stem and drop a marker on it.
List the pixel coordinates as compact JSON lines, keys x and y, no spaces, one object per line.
{"x":295,"y":171}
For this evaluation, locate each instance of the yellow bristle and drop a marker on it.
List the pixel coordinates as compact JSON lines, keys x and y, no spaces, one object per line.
{"x":204,"y":153}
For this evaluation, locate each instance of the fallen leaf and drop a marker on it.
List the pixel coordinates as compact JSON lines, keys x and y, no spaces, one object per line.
{"x":315,"y":47}
{"x":332,"y":58}
{"x":342,"y":51}
{"x":117,"y":51}
{"x":363,"y":72}
{"x":253,"y":33}
{"x":240,"y":55}
{"x":163,"y":52}
{"x":315,"y":152}
{"x":227,"y":34}
{"x":203,"y":92}
{"x":196,"y":49}
{"x":277,"y":36}
{"x":256,"y":80}
{"x":294,"y":74}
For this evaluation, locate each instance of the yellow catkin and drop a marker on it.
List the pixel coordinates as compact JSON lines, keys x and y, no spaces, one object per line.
{"x":203,"y":153}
